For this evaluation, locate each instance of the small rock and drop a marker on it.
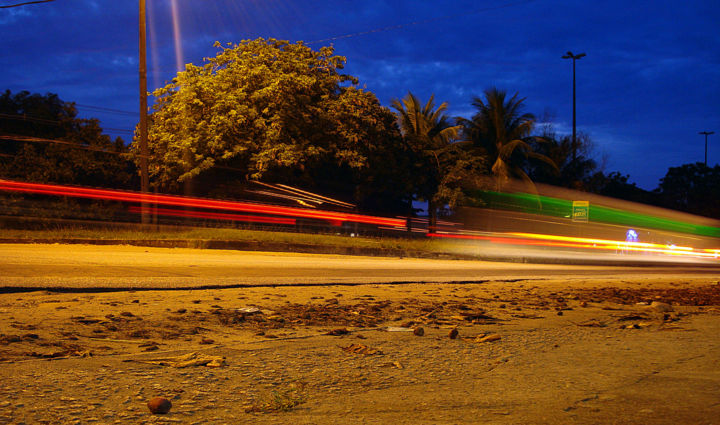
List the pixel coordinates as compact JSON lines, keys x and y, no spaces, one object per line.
{"x":559,"y":313}
{"x":159,"y":405}
{"x":661,"y":307}
{"x":419,"y":331}
{"x":126,"y":314}
{"x":583,"y":304}
{"x":453,"y":333}
{"x":207,"y":341}
{"x":338,"y":332}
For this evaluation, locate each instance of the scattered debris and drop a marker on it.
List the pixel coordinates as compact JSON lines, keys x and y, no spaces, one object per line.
{"x":488,"y":338}
{"x":398,"y":329}
{"x":189,"y":360}
{"x":592,"y":323}
{"x":527,"y":316}
{"x":361,"y":349}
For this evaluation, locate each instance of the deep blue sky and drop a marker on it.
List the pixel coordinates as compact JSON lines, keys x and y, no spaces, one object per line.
{"x":649,"y":84}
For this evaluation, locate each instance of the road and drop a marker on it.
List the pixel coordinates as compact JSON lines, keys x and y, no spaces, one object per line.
{"x":27,"y":266}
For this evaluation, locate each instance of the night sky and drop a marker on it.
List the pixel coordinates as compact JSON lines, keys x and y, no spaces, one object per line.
{"x":649,"y":83}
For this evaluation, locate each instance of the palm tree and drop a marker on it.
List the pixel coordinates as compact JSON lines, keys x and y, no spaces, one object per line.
{"x":503,"y":131}
{"x":429,"y":135}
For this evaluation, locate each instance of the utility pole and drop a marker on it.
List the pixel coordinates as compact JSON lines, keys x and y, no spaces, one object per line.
{"x":706,"y":133}
{"x":144,"y":179}
{"x":570,"y":55}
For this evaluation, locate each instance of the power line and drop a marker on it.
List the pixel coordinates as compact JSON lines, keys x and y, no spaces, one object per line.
{"x":103,"y":109}
{"x":55,"y":122}
{"x":59,"y":142}
{"x":26,"y":3}
{"x":29,"y":118}
{"x":409,"y":24}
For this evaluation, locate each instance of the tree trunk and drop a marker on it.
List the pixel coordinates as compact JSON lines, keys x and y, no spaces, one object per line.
{"x":409,"y":217}
{"x":432,"y":216}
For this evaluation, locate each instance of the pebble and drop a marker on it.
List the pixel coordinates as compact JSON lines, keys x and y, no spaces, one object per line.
{"x":661,"y":307}
{"x":419,"y":331}
{"x":159,"y":405}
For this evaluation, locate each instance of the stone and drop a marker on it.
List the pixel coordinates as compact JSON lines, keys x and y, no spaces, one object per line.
{"x":419,"y":331}
{"x":661,"y":307}
{"x":159,"y":405}
{"x":453,"y":333}
{"x":338,"y":332}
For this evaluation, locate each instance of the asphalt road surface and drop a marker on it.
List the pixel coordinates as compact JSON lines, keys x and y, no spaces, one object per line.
{"x":29,"y":266}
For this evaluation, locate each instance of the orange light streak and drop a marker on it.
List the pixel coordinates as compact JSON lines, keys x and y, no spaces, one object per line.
{"x":532,"y":239}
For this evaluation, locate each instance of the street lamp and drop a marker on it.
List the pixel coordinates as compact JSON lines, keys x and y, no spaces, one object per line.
{"x":570,"y":55}
{"x":144,"y":179}
{"x":706,"y":133}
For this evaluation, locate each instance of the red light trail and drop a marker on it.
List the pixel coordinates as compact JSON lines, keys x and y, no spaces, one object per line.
{"x":126,"y":196}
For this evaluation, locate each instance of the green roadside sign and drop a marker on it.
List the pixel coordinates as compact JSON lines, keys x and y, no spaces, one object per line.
{"x":581,"y":211}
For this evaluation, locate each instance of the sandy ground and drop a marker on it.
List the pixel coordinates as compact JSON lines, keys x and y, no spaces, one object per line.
{"x":532,"y":351}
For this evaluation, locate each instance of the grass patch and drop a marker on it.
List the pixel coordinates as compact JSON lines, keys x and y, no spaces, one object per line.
{"x":204,"y":234}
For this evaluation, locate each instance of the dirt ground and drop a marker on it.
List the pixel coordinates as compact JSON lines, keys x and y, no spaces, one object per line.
{"x":532,"y":351}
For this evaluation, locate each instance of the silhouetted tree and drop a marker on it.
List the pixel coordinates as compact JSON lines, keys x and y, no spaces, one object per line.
{"x":692,"y":188}
{"x":441,"y":167}
{"x":568,"y":172}
{"x":615,"y":185}
{"x":504,"y":132}
{"x":42,"y":140}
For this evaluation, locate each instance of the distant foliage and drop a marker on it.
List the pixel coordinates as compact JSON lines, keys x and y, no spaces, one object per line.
{"x":694,"y":188}
{"x":44,"y":141}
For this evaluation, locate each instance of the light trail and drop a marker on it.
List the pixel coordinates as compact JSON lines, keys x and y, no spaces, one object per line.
{"x":555,"y":241}
{"x":335,"y":218}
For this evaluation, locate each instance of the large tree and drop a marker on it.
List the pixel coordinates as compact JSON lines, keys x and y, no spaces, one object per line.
{"x":42,"y":140}
{"x":504,"y":132}
{"x":441,"y":165}
{"x":271,"y":110}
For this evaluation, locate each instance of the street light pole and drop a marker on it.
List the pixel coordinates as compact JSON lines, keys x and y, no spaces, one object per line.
{"x":144,"y":179}
{"x":570,"y":55}
{"x":706,"y":133}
